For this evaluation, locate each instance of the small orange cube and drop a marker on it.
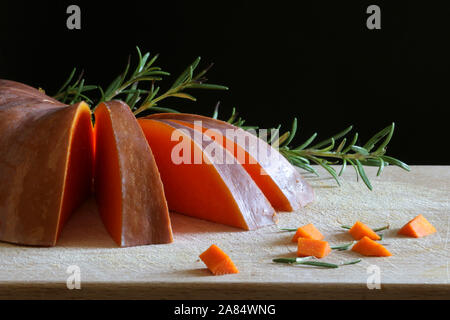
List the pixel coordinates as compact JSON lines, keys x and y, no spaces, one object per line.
{"x":311,"y":247}
{"x":368,"y":247}
{"x":308,"y":231}
{"x":360,"y":230}
{"x":417,"y":228}
{"x":217,"y":261}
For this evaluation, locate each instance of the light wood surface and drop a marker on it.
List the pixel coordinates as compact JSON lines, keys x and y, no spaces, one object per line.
{"x":419,"y":268}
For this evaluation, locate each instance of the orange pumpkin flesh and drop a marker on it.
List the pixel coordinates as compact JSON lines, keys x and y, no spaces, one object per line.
{"x":360,"y":230}
{"x":217,"y":261}
{"x":280,"y":182}
{"x":45,"y":163}
{"x":272,"y":192}
{"x":128,"y":187}
{"x":79,"y":174}
{"x":310,"y":247}
{"x":308,"y":231}
{"x":221,"y":193}
{"x":107,"y":175}
{"x":371,"y":248}
{"x":417,"y":227}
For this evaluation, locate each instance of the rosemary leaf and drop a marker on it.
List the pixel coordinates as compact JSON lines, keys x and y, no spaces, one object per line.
{"x":318,"y":264}
{"x":165,"y":110}
{"x":396,"y":162}
{"x":292,"y":133}
{"x":351,"y":262}
{"x":288,"y":229}
{"x":343,"y":247}
{"x":292,"y":260}
{"x":184,"y":96}
{"x":382,"y":228}
{"x":335,"y":137}
{"x":377,"y":137}
{"x":360,"y":150}
{"x":306,"y":143}
{"x":363,"y":175}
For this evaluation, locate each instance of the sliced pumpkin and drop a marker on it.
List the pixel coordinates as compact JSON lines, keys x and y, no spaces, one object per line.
{"x":128,"y":186}
{"x":280,"y":182}
{"x":197,"y":185}
{"x":45,"y":163}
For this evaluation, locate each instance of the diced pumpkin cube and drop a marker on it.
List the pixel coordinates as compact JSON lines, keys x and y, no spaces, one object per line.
{"x":369,"y":247}
{"x":417,"y":227}
{"x":217,"y":261}
{"x":360,"y":230}
{"x":310,"y":247}
{"x":308,"y":231}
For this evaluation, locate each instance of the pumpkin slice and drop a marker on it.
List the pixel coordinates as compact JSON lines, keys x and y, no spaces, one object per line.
{"x":280,"y":182}
{"x":45,"y":163}
{"x":198,"y":185}
{"x":128,"y":188}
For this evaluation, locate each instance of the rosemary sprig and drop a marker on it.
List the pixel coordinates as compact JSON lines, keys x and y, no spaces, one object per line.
{"x":138,"y":87}
{"x":308,"y":261}
{"x":305,"y":261}
{"x":140,"y":99}
{"x":333,"y":150}
{"x":74,"y":91}
{"x":329,"y":151}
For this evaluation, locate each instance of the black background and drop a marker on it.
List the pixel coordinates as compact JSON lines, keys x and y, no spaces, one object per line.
{"x":313,"y":60}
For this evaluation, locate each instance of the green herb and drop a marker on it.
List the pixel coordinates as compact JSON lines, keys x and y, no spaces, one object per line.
{"x":289,"y":230}
{"x":74,"y":91}
{"x":382,"y":228}
{"x":329,"y":151}
{"x":343,"y":247}
{"x":292,"y":260}
{"x":351,"y":262}
{"x":333,"y":150}
{"x":305,"y":261}
{"x":308,"y":261}
{"x":138,"y":88}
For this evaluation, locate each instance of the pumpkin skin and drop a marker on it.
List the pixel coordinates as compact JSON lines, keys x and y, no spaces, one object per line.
{"x":46,"y":163}
{"x":281,"y":183}
{"x":201,"y":187}
{"x":128,"y":187}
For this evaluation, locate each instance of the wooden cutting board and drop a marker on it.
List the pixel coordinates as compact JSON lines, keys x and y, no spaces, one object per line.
{"x":419,"y":268}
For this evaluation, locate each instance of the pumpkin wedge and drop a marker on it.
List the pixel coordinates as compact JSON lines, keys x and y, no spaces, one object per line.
{"x":128,"y":187}
{"x":45,"y":163}
{"x":280,"y":182}
{"x":200,"y":186}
